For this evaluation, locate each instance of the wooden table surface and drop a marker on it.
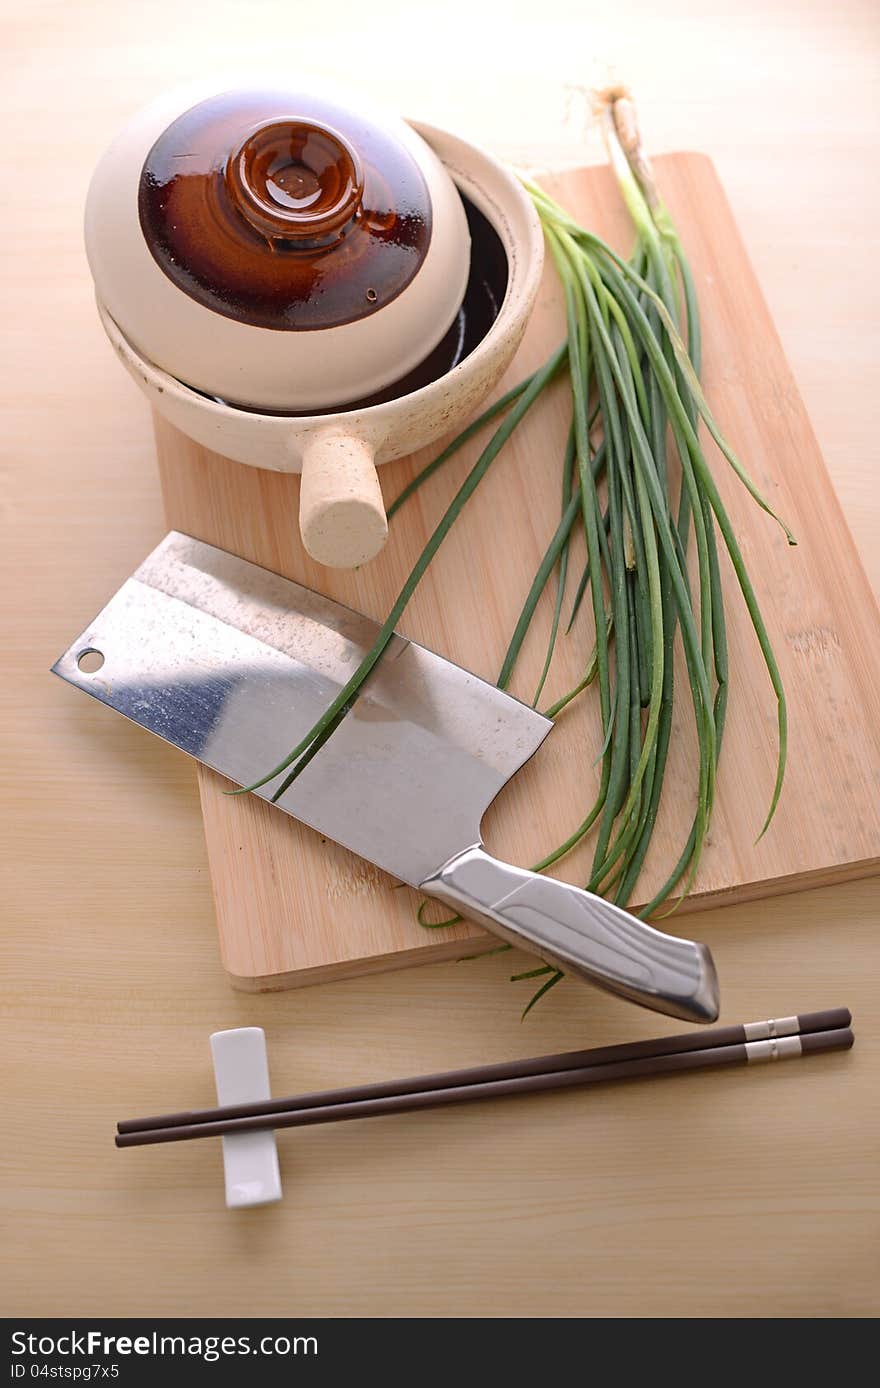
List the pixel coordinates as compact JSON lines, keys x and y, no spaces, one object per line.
{"x":750,"y":1195}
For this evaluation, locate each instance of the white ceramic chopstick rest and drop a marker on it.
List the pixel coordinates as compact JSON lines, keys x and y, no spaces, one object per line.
{"x":250,"y":1160}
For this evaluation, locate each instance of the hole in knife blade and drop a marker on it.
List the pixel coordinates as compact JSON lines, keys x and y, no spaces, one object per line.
{"x":89,"y":661}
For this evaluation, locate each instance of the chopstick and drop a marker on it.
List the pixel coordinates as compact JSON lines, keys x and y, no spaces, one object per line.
{"x":770,"y":1040}
{"x":703,"y":1039}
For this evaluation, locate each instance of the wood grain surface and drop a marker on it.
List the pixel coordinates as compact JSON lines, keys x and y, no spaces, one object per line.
{"x":749,"y":1195}
{"x":294,"y":908}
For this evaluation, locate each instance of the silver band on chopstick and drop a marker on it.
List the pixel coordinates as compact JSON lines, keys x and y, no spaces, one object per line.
{"x":779,"y":1026}
{"x":774,"y":1048}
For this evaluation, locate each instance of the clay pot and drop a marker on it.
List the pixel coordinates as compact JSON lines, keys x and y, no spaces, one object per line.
{"x":294,"y":299}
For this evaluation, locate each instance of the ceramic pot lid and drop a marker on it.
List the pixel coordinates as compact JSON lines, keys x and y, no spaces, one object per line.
{"x":276,"y":249}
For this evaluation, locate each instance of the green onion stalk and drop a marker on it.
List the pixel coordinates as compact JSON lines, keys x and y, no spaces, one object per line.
{"x":636,"y":483}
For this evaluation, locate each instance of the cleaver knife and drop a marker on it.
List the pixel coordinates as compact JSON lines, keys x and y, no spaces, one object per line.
{"x":234,"y":664}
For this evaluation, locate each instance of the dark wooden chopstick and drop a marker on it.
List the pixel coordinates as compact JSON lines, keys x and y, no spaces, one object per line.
{"x":268,"y":1116}
{"x":703,"y":1039}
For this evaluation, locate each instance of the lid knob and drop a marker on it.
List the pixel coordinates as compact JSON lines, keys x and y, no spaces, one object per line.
{"x":296,"y":180}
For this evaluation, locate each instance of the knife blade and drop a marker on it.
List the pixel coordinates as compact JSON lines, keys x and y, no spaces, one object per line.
{"x":234,"y":664}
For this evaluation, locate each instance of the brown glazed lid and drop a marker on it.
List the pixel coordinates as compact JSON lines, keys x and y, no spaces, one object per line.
{"x":275,"y":248}
{"x":281,"y":217}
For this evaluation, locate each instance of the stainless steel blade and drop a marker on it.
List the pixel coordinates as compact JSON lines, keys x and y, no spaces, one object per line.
{"x":234,"y":665}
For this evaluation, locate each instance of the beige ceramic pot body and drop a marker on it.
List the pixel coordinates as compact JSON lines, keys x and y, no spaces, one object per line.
{"x":341,"y":514}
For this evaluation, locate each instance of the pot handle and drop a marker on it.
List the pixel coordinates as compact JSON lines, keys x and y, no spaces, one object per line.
{"x":341,"y":513}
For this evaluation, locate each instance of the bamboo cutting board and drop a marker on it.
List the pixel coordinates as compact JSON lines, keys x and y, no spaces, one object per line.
{"x":293,"y":908}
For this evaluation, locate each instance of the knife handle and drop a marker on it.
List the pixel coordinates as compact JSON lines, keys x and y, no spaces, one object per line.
{"x":582,"y":934}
